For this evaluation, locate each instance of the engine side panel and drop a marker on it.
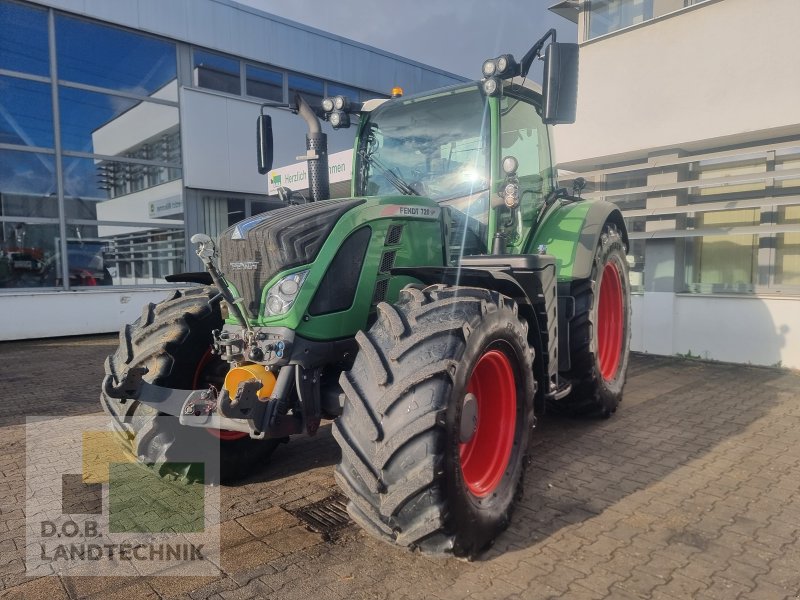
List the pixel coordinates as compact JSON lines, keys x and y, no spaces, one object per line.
{"x":404,"y":231}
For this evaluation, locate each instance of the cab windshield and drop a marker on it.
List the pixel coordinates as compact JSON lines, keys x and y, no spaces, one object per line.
{"x":435,"y":146}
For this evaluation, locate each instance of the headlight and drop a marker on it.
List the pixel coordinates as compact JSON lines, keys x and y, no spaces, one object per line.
{"x":511,"y":195}
{"x":282,"y":295}
{"x":327,"y":104}
{"x":489,"y":67}
{"x":339,"y":102}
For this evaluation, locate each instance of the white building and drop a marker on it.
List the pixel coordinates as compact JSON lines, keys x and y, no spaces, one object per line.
{"x":689,"y":120}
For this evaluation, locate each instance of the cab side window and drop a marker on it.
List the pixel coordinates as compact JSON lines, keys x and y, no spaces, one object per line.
{"x":523,"y":136}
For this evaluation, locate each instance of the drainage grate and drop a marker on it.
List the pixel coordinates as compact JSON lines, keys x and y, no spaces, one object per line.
{"x":326,"y":516}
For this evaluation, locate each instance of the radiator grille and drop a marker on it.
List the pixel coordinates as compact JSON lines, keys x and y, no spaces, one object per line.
{"x":254,"y":250}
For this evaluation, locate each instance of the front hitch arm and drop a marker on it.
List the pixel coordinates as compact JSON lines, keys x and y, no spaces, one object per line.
{"x":207,"y":408}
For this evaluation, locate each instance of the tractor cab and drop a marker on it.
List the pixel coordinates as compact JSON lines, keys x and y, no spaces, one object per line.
{"x":484,"y":158}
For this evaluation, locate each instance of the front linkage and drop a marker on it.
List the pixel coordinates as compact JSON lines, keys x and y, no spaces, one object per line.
{"x":246,"y":411}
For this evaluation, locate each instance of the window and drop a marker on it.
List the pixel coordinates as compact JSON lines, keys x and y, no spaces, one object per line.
{"x":28,"y":254}
{"x":521,"y":138}
{"x":23,"y":39}
{"x":216,"y":72}
{"x":335,"y":89}
{"x":787,"y":248}
{"x":112,"y":58}
{"x":311,"y":89}
{"x":27,"y":185}
{"x":264,"y":83}
{"x":111,"y":125}
{"x":436,"y":145}
{"x":607,"y":16}
{"x":26,"y":113}
{"x":131,"y":256}
{"x":724,"y":262}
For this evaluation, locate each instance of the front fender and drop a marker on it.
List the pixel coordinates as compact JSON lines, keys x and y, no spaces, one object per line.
{"x":571,"y":232}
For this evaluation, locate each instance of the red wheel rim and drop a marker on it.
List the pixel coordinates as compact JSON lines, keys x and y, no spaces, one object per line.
{"x":610,"y":322}
{"x":485,"y":457}
{"x":222,"y":434}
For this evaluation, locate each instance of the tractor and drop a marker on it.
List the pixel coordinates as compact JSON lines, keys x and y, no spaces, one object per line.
{"x":433,"y":316}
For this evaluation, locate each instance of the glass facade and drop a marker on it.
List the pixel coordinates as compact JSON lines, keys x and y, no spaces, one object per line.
{"x":109,"y":123}
{"x":24,"y":46}
{"x":91,"y":164}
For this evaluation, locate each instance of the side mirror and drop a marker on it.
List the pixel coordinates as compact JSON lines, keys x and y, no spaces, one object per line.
{"x":560,"y":83}
{"x":264,"y":140}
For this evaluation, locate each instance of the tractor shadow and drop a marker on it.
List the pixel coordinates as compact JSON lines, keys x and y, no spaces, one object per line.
{"x":674,"y":412}
{"x":300,"y":455}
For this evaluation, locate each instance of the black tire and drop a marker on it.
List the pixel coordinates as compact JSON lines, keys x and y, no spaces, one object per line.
{"x":594,"y":393}
{"x":400,"y":429}
{"x":172,"y":339}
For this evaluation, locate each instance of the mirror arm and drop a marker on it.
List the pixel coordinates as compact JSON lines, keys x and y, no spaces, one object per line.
{"x":292,"y":108}
{"x":535,"y":51}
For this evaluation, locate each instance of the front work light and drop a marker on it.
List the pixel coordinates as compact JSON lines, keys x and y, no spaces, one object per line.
{"x":507,"y":66}
{"x":490,"y":86}
{"x":341,"y":103}
{"x":282,"y":295}
{"x":503,"y":67}
{"x":327,"y":104}
{"x":339,"y":119}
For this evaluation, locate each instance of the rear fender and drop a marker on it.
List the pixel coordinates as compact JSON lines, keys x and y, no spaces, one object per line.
{"x":571,"y":233}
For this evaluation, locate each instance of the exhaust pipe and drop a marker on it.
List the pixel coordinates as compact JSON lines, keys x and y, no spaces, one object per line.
{"x":316,"y":152}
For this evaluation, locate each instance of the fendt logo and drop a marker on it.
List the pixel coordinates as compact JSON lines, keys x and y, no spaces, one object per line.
{"x":248,"y":265}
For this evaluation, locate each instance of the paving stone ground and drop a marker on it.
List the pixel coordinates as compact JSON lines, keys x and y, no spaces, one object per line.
{"x":689,"y":491}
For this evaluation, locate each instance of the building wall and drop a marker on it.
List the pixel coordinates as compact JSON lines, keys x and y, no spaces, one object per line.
{"x":53,"y":314}
{"x":691,"y":79}
{"x":753,"y":330}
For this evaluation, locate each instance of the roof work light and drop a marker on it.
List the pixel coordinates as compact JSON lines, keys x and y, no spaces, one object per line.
{"x":336,"y":109}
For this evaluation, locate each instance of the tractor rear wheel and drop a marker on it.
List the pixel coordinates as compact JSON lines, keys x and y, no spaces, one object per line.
{"x":172,"y":339}
{"x":437,"y":417}
{"x":600,"y":331}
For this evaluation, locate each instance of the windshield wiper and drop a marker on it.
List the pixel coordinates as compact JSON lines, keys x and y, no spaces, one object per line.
{"x":390,"y":175}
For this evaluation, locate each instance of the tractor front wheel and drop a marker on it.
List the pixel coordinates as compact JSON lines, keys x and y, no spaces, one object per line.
{"x":437,"y":417}
{"x":172,"y":339}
